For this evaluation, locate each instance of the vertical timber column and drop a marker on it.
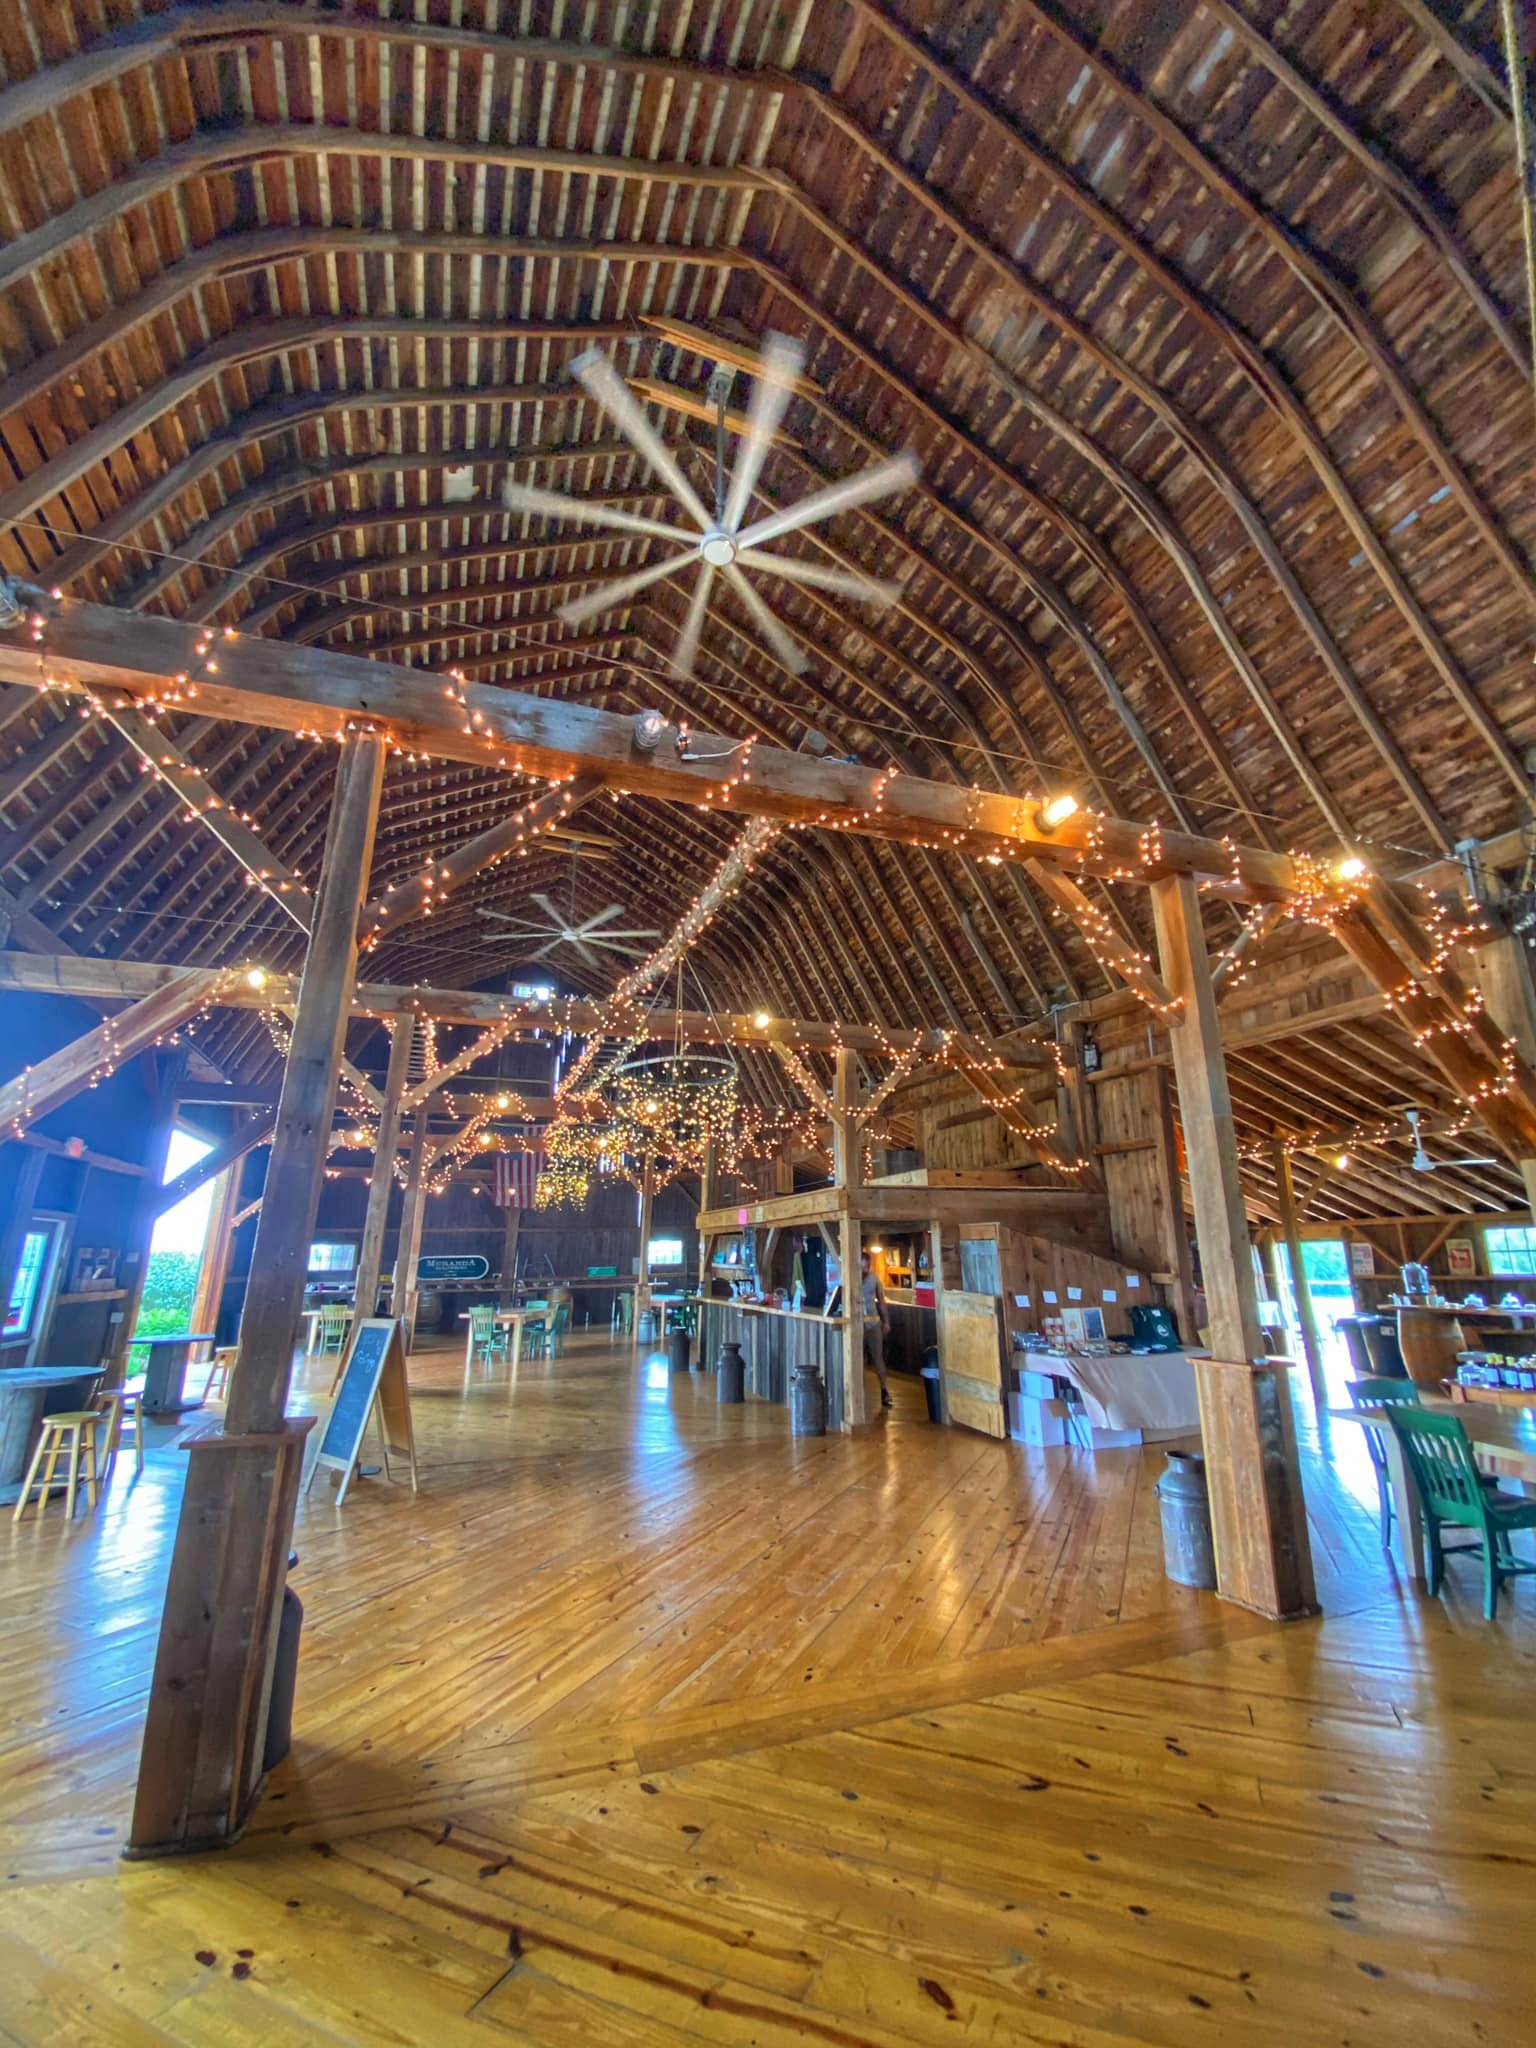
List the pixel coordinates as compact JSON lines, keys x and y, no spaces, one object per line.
{"x":511,"y":1232}
{"x":1263,"y":1557}
{"x":847,"y":1174}
{"x":370,"y":1254}
{"x":200,"y":1771}
{"x":1301,"y":1287}
{"x":1509,"y":993}
{"x":1171,"y":1187}
{"x":643,"y":1262}
{"x":413,"y":1217}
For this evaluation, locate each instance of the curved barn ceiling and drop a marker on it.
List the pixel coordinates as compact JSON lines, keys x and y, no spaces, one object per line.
{"x":1206,"y":321}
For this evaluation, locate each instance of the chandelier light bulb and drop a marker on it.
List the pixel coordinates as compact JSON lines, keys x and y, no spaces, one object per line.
{"x":762,"y":1020}
{"x":1353,"y":869}
{"x":1057,"y":811}
{"x":256,"y":977}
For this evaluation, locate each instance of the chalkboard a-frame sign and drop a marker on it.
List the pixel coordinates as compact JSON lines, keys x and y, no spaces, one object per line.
{"x":374,"y":1373}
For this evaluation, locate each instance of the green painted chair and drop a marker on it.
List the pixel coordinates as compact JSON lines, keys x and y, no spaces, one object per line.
{"x":335,"y":1321}
{"x":549,"y":1338}
{"x":487,"y":1338}
{"x":1379,"y":1393}
{"x":1451,"y":1490}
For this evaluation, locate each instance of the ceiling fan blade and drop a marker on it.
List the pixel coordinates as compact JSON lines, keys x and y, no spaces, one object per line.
{"x":552,"y":505}
{"x":628,"y":952}
{"x":600,"y":917}
{"x":787,"y":650}
{"x":603,"y":383}
{"x":556,"y":917}
{"x":898,"y":474}
{"x":607,"y":595}
{"x":686,"y":652}
{"x":783,"y":361}
{"x":842,"y":582}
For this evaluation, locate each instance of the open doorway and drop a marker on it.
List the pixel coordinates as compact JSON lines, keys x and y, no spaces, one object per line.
{"x":1326,"y":1262}
{"x":177,"y":1251}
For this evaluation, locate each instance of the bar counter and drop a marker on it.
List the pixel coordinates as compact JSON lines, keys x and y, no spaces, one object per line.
{"x":773,"y":1342}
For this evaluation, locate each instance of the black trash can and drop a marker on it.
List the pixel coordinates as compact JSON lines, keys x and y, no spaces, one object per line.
{"x":1382,"y":1347}
{"x":677,"y":1350}
{"x":931,"y":1393}
{"x":1354,"y":1340}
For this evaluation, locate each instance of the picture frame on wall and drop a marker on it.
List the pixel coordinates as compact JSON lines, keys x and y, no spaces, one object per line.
{"x":1362,"y":1260}
{"x":1460,"y":1255}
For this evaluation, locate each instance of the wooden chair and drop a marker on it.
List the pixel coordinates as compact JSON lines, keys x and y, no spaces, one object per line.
{"x":488,"y":1341}
{"x":334,"y":1322}
{"x":221,"y":1370}
{"x":1451,"y":1491}
{"x":1377,"y":1393}
{"x":75,"y":1430}
{"x":124,"y":1415}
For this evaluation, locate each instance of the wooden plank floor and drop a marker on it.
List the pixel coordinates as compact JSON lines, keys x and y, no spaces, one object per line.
{"x":644,"y":1723}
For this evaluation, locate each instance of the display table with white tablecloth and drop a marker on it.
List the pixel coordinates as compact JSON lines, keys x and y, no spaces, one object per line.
{"x":1124,"y":1398}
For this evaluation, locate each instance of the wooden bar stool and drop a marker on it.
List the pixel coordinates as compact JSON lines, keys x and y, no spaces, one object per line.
{"x":124,"y":1416}
{"x":75,"y":1429}
{"x":220,"y":1371}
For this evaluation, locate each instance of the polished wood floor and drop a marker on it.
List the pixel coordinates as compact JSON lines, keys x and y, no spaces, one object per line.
{"x":642,"y":1723}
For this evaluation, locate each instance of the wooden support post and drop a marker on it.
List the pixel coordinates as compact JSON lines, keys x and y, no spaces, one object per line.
{"x":201,"y":1767}
{"x":512,"y":1230}
{"x":1171,"y":1188}
{"x":370,"y":1251}
{"x":413,"y":1216}
{"x":1263,"y":1557}
{"x":1509,"y":993}
{"x":1311,"y":1342}
{"x":215,"y":1267}
{"x":847,"y":1175}
{"x":643,"y":1262}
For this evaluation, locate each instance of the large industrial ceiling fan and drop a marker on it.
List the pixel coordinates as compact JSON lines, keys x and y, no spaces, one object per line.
{"x":725,"y":543}
{"x":584,"y":936}
{"x":1421,"y":1161}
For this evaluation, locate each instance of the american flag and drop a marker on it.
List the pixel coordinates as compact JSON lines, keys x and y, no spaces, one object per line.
{"x":515,"y":1178}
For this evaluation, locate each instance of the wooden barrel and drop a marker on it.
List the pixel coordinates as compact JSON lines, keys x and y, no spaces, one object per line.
{"x":1430,"y":1341}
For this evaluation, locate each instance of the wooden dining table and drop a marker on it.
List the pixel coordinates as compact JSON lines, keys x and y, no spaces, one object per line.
{"x":511,"y":1319}
{"x":1505,"y":1434}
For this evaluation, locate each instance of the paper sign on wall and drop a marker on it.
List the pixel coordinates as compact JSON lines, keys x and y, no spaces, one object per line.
{"x":1048,"y":1296}
{"x":1132,"y":1280}
{"x":1021,"y":1301}
{"x":1110,"y":1294}
{"x":1074,"y":1294}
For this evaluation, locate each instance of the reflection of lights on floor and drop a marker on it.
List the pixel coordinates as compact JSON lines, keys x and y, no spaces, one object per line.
{"x":658,"y":1374}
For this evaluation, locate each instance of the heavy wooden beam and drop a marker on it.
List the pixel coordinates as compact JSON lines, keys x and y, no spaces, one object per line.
{"x":206,"y":1724}
{"x":1263,"y":1557}
{"x":417,"y":898}
{"x":130,"y":980}
{"x":37,"y":1090}
{"x":207,"y":807}
{"x":95,"y":651}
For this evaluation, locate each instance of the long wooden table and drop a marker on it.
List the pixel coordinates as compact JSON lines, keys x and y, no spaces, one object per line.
{"x":511,"y":1319}
{"x":1499,"y":1432}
